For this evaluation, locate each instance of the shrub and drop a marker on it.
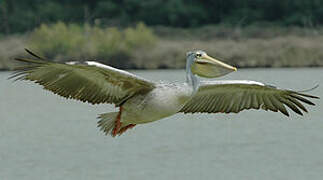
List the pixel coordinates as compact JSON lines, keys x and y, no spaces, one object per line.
{"x":71,"y":40}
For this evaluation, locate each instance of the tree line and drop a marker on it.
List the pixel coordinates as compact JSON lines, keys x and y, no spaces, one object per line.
{"x":17,"y":16}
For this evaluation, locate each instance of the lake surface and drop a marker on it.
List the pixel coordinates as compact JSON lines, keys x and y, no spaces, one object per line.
{"x":44,"y":136}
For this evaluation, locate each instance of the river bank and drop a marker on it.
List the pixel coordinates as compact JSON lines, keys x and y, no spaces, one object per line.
{"x":241,"y":47}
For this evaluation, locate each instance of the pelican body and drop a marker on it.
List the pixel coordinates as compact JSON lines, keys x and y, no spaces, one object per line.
{"x":142,"y":101}
{"x":161,"y":102}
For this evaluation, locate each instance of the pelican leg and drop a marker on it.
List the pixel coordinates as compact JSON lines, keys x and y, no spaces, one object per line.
{"x":124,"y":129}
{"x":117,"y":125}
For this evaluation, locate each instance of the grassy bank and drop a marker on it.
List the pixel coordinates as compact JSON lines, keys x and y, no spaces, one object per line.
{"x":159,"y":47}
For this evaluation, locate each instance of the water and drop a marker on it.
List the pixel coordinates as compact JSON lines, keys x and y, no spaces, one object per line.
{"x":43,"y":136}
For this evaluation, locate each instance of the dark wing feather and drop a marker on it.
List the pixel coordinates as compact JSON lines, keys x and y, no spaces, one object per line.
{"x":235,"y":96}
{"x":90,"y":82}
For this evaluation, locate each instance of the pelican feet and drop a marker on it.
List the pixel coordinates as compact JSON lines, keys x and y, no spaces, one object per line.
{"x":118,"y":129}
{"x":117,"y":124}
{"x":124,"y":129}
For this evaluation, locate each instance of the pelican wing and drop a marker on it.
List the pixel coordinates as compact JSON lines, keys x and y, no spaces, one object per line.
{"x":235,"y":96}
{"x":89,"y":82}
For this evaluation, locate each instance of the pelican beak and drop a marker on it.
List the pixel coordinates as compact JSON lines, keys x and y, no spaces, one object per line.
{"x":206,"y":66}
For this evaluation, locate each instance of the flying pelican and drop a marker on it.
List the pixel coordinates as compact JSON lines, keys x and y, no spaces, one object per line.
{"x":142,"y":101}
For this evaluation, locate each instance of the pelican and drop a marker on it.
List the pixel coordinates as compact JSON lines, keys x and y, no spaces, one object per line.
{"x":142,"y":101}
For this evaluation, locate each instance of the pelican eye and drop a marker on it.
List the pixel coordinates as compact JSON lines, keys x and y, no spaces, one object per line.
{"x":198,"y":55}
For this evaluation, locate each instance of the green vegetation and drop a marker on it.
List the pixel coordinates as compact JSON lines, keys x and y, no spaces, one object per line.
{"x":61,"y":41}
{"x":146,"y":48}
{"x":21,"y":16}
{"x":245,"y":33}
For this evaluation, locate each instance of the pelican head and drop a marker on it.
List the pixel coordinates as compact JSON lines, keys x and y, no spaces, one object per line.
{"x":205,"y":66}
